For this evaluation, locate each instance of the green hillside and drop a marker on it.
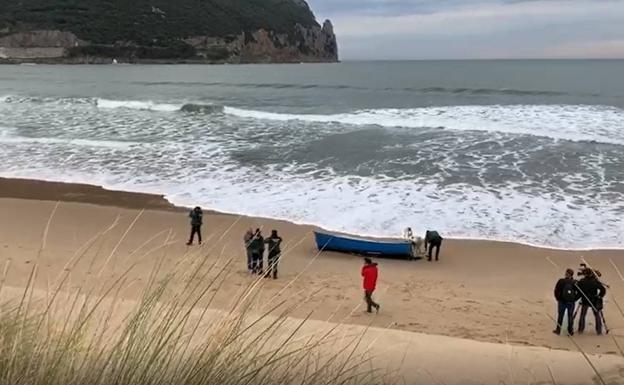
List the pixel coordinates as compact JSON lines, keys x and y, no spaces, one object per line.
{"x":152,"y":22}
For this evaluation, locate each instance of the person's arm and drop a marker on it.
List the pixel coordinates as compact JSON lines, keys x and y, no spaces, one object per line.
{"x":602,"y":290}
{"x":558,"y":288}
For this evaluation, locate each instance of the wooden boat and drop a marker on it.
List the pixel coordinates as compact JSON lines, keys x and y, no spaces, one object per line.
{"x":327,"y":241}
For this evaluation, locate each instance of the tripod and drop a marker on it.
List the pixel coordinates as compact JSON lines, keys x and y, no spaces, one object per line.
{"x":600,"y":314}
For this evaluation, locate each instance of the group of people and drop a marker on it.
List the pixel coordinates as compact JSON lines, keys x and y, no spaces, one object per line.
{"x":589,"y":290}
{"x":432,"y":240}
{"x":256,"y":245}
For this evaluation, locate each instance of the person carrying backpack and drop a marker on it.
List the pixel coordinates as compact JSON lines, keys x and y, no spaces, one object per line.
{"x":566,"y":294}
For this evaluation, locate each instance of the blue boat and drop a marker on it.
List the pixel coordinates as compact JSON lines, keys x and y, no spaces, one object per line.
{"x":326,"y":241}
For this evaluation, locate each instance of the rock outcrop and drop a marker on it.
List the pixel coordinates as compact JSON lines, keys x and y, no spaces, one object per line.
{"x":306,"y":44}
{"x":184,"y":35}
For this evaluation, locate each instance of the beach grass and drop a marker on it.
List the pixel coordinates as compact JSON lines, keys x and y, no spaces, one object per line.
{"x":89,"y":334}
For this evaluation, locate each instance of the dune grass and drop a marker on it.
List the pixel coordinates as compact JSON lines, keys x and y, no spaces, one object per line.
{"x":88,"y":334}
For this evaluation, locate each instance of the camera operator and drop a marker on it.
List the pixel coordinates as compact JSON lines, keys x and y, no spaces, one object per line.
{"x":592,"y":292}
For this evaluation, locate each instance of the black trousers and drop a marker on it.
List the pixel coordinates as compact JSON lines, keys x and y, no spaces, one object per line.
{"x":437,"y":245}
{"x":562,"y":309}
{"x":273,"y":260}
{"x":195,"y":230}
{"x":597,"y":316}
{"x":257,"y":262}
{"x":370,"y":304}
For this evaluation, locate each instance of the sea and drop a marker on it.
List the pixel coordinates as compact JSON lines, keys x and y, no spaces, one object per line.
{"x":524,"y":151}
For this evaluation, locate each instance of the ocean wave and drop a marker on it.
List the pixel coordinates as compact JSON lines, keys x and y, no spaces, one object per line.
{"x":422,"y":90}
{"x":115,"y":104}
{"x":110,"y":144}
{"x":137,"y":105}
{"x":577,"y":123}
{"x":202,"y":108}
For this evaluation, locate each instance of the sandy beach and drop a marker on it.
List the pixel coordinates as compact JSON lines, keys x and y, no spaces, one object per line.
{"x":484,"y":296}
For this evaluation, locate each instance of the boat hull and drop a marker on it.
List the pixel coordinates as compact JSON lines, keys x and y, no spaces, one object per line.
{"x":400,"y":248}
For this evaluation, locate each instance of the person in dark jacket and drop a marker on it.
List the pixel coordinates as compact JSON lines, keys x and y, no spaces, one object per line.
{"x":591,"y":292}
{"x":369,"y":275}
{"x":433,"y":239}
{"x":566,"y":294}
{"x":273,"y":242}
{"x":196,"y":216}
{"x":257,"y":252}
{"x":247,"y":241}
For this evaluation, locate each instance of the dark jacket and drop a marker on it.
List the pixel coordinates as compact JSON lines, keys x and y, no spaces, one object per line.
{"x":257,"y":244}
{"x":566,"y":290}
{"x":591,"y":292}
{"x":196,"y":218}
{"x":274,"y":245}
{"x":370,"y":273}
{"x":433,"y":237}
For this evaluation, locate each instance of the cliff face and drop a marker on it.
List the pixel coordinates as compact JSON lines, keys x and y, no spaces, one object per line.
{"x":213,"y":31}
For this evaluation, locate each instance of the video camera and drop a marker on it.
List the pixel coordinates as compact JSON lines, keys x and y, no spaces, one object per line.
{"x":585,"y":271}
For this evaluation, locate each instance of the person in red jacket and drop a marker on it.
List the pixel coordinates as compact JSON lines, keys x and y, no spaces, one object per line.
{"x":370,"y":273}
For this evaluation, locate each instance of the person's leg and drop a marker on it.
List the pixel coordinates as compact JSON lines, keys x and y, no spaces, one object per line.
{"x":249,"y":260}
{"x":598,"y":317}
{"x":275,"y":262}
{"x":199,"y":234}
{"x":430,"y":251}
{"x":369,"y":301}
{"x":570,"y":310}
{"x":438,"y":250}
{"x":581,"y":326}
{"x":560,"y":311}
{"x":269,"y":268}
{"x":192,"y":237}
{"x":375,"y":304}
{"x":254,"y":262}
{"x":260,"y":263}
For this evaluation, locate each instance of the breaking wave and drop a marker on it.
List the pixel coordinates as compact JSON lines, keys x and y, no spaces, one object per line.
{"x":601,"y":124}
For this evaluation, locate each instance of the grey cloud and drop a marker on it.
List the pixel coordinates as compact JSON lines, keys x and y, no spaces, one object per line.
{"x":401,"y":29}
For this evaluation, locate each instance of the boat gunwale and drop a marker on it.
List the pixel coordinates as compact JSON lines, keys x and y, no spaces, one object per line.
{"x":394,"y":241}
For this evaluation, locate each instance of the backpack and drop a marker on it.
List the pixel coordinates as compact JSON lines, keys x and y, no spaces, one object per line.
{"x":568,"y":293}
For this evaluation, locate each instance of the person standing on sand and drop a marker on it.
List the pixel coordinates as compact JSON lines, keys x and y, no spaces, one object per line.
{"x":433,"y":239}
{"x":591,"y":292}
{"x":257,"y":253}
{"x":370,"y":273}
{"x":196,"y":216}
{"x":566,"y":294}
{"x":273,"y":242}
{"x":247,"y":241}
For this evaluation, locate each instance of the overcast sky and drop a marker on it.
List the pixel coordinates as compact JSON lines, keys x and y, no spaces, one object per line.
{"x":455,"y":29}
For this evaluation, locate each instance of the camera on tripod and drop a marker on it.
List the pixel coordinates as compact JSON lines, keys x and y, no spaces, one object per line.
{"x":585,"y":271}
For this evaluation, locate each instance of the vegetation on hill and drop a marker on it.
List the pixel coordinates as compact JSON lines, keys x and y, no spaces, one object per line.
{"x":156,"y":23}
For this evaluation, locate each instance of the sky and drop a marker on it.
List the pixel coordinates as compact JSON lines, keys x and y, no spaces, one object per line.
{"x":475,"y":29}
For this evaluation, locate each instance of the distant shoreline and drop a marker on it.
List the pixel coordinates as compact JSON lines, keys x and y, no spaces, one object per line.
{"x":106,"y":61}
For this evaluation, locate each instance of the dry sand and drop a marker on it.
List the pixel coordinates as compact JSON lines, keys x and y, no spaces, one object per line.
{"x":497,"y":293}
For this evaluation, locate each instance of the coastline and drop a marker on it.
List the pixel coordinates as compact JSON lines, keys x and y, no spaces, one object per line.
{"x":48,"y":190}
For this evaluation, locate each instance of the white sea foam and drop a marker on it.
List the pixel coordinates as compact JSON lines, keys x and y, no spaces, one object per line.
{"x":69,"y":142}
{"x":559,"y":122}
{"x":138,"y":105}
{"x":377,"y":208}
